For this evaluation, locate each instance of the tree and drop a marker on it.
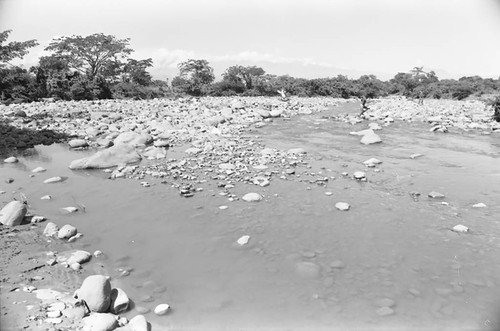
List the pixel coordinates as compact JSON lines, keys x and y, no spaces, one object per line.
{"x":91,"y":55}
{"x":135,"y":71}
{"x":243,"y":75}
{"x":194,"y":78}
{"x":14,"y":49}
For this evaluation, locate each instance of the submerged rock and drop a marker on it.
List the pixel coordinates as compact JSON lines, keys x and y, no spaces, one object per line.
{"x":110,"y":157}
{"x":13,"y":213}
{"x":252,"y":197}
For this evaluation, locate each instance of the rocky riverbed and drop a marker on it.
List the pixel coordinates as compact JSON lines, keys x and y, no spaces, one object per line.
{"x":276,"y":214}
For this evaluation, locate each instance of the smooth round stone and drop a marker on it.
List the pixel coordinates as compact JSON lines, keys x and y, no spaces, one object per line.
{"x":344,"y":206}
{"x":385,"y":311}
{"x":308,"y":269}
{"x":11,"y":159}
{"x":460,"y":228}
{"x":243,"y":240}
{"x":252,"y":197}
{"x":479,"y":205}
{"x":142,"y":310}
{"x":337,"y":264}
{"x":162,"y":309}
{"x":385,"y":302}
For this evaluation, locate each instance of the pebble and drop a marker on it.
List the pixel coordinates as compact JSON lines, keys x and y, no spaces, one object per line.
{"x":328,"y":193}
{"x":38,"y":169}
{"x":75,"y":266}
{"x":67,"y":231}
{"x":98,"y":253}
{"x":11,"y":159}
{"x":161,"y":309}
{"x":307,"y":269}
{"x":52,"y":180}
{"x":224,"y":207}
{"x":70,"y":209}
{"x":252,"y":197}
{"x":385,"y":311}
{"x":372,"y":162}
{"x":243,"y":240}
{"x":479,"y":205}
{"x":359,"y":175}
{"x":37,"y":219}
{"x":414,"y":156}
{"x":344,"y":206}
{"x":46,"y":197}
{"x":435,"y":195}
{"x":56,"y":320}
{"x":142,"y":310}
{"x":460,"y":228}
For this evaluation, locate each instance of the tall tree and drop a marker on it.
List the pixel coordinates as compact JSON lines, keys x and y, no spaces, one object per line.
{"x":244,"y":75}
{"x":14,"y":49}
{"x":194,"y":77}
{"x":91,"y":55}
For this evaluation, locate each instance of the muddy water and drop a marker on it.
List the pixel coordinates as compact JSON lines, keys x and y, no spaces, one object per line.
{"x":307,"y":265}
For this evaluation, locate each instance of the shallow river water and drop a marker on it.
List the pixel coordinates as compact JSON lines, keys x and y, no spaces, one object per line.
{"x":307,"y":265}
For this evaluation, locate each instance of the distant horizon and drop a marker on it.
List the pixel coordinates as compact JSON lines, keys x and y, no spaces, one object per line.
{"x":317,"y":39}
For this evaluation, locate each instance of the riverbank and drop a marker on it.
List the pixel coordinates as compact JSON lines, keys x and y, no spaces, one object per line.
{"x":189,"y":213}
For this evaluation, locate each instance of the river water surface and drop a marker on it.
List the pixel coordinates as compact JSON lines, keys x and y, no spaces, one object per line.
{"x":307,"y":265}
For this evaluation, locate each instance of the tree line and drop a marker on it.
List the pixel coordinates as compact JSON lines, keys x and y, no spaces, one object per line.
{"x":99,"y":66}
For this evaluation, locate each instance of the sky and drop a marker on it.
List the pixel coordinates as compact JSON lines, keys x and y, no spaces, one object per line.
{"x":309,"y":38}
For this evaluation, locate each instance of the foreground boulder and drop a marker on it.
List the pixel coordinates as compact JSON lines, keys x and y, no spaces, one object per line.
{"x":96,"y":291}
{"x":100,"y":322}
{"x":119,"y":301}
{"x":13,"y":213}
{"x":111,"y":157}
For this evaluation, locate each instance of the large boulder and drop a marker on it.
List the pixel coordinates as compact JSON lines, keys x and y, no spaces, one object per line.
{"x":133,"y":138}
{"x":13,"y":213}
{"x":96,"y":291}
{"x":119,"y":301}
{"x":110,"y":157}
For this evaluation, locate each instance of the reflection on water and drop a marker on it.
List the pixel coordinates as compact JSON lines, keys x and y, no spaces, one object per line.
{"x":389,"y":262}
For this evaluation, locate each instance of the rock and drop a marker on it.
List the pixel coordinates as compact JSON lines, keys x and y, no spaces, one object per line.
{"x":53,"y":320}
{"x":75,"y":266}
{"x":243,"y":240}
{"x":308,"y":269}
{"x":142,"y":310}
{"x":138,"y":323}
{"x":227,"y":166}
{"x":344,"y":206}
{"x":37,"y":219}
{"x":133,"y":139}
{"x":52,"y":180}
{"x":20,"y":113}
{"x":359,"y":175}
{"x":372,"y":162}
{"x":296,"y":151}
{"x":54,"y":313}
{"x":99,"y":322}
{"x":460,"y":228}
{"x":75,"y":313}
{"x":385,"y":311}
{"x":77,"y":143}
{"x":370,"y":138}
{"x":110,"y":157}
{"x":374,"y":126}
{"x":435,"y":195}
{"x":262,"y":112}
{"x":38,"y":169}
{"x":414,"y":156}
{"x":119,"y":301}
{"x":479,"y":205}
{"x":12,"y":214}
{"x":51,"y":229}
{"x":67,"y":231}
{"x":155,"y":152}
{"x":56,"y":306}
{"x":96,"y":291}
{"x":161,"y":143}
{"x":193,"y":151}
{"x":11,"y":159}
{"x":252,"y":197}
{"x":70,"y":210}
{"x":337,"y":264}
{"x":46,"y":197}
{"x":276,"y":112}
{"x":73,"y":256}
{"x":162,"y":309}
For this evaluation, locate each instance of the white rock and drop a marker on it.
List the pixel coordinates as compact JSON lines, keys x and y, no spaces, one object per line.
{"x":252,"y":197}
{"x":96,"y":291}
{"x":37,"y":219}
{"x":51,"y":229}
{"x":162,"y":309}
{"x":374,"y":126}
{"x":192,"y":151}
{"x":11,"y":159}
{"x":370,"y":138}
{"x":77,"y":143}
{"x":243,"y":240}
{"x":70,"y":209}
{"x":342,"y":206}
{"x":38,"y":169}
{"x":436,"y":195}
{"x":46,"y":197}
{"x":60,"y":306}
{"x":54,"y":313}
{"x":52,"y":180}
{"x":100,"y":322}
{"x":13,"y":213}
{"x":479,"y":205}
{"x":119,"y":301}
{"x":109,"y":157}
{"x":98,"y":253}
{"x":53,"y":320}
{"x":67,"y":231}
{"x":372,"y":162}
{"x":460,"y":228}
{"x":138,"y":323}
{"x":414,"y":156}
{"x":73,"y":256}
{"x":75,"y":266}
{"x":359,"y":175}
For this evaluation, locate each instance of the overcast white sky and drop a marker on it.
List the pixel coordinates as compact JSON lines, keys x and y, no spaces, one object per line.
{"x":313,"y":38}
